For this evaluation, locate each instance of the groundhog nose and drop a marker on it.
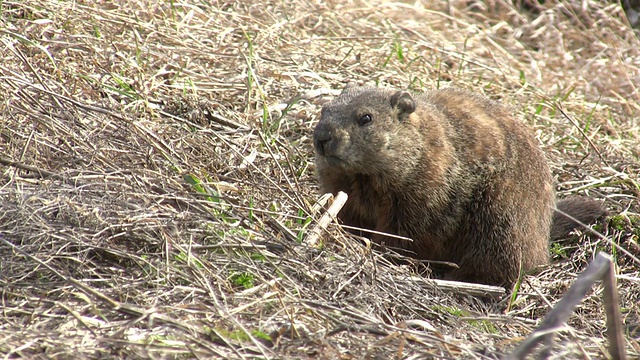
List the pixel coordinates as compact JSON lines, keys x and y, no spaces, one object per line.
{"x":321,"y":138}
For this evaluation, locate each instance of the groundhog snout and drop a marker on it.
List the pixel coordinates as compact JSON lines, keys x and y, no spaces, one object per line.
{"x":323,"y":140}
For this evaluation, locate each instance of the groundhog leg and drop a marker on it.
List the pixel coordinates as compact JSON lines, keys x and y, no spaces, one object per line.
{"x":492,"y":256}
{"x":498,"y":238}
{"x":386,"y":223}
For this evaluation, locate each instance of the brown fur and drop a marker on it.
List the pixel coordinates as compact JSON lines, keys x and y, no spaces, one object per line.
{"x":449,"y":169}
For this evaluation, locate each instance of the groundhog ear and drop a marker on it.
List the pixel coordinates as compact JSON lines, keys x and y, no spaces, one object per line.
{"x":404,"y":102}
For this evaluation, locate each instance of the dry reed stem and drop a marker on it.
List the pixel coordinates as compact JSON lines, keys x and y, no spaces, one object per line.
{"x":331,"y":214}
{"x":601,"y":268}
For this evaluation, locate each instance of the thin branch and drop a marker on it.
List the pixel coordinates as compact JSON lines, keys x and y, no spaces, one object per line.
{"x":600,"y":268}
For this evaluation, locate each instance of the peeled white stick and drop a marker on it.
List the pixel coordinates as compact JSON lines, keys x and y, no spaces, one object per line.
{"x":327,"y":217}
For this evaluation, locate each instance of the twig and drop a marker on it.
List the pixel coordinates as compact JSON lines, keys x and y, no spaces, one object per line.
{"x":600,"y":268}
{"x":593,"y":146}
{"x":478,"y":290}
{"x":332,"y":212}
{"x":614,"y":323}
{"x":40,"y":172}
{"x":600,"y":235}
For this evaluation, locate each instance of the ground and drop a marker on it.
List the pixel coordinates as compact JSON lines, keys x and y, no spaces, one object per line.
{"x":157,"y":184}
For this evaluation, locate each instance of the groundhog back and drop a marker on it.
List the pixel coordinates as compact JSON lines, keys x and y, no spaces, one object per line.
{"x":452,"y":170}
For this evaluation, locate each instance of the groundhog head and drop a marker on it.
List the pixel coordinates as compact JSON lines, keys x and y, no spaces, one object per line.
{"x":362,"y":128}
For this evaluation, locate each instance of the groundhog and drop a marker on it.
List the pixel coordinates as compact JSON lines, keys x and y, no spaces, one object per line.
{"x":451,"y":170}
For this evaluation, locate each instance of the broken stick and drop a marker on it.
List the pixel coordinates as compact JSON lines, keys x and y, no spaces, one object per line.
{"x":601,"y":268}
{"x":332,"y":212}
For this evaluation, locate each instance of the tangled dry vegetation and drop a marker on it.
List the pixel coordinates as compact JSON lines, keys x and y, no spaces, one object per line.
{"x":156,"y":184}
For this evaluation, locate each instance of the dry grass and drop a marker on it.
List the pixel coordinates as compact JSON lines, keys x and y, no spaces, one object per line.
{"x":157,"y":174}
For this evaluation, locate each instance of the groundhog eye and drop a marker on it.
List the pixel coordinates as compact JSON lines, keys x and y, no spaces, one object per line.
{"x":365,"y":119}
